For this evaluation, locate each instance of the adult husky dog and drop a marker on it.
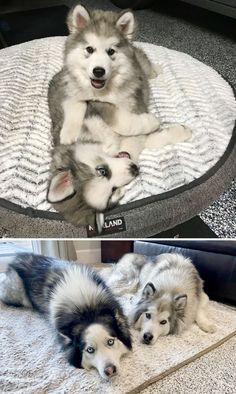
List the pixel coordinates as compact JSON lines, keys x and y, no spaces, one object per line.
{"x":98,"y":104}
{"x":170,"y":295}
{"x":89,"y":321}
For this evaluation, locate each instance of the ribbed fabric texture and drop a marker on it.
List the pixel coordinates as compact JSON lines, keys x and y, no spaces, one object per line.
{"x":187,"y":92}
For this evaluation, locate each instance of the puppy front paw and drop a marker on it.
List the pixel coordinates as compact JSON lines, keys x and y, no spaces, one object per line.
{"x":68,"y":137}
{"x":180,"y":133}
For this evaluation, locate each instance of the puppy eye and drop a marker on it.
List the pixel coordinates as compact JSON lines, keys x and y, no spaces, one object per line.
{"x":90,"y":50}
{"x":110,"y":51}
{"x":148,"y":315}
{"x":110,"y":342}
{"x":163,"y":322}
{"x":90,"y":349}
{"x":102,"y":171}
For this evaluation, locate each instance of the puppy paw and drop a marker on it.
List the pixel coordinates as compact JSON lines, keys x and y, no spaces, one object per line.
{"x":151,"y":123}
{"x":211,"y":328}
{"x":68,"y":137}
{"x":180,"y":133}
{"x":156,"y":70}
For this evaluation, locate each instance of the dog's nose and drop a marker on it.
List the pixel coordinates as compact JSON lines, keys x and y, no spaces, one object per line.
{"x":134,"y":170}
{"x":110,"y":370}
{"x":98,"y":72}
{"x":147,"y":337}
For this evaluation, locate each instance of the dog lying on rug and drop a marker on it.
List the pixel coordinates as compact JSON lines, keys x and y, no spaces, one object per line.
{"x":98,"y":104}
{"x":170,"y":295}
{"x":89,"y":321}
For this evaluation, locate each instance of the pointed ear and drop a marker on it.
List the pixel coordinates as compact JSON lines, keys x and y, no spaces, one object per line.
{"x":149,"y":290}
{"x":78,"y":19}
{"x":61,"y":187}
{"x":126,"y":24}
{"x":180,"y":301}
{"x":134,"y":318}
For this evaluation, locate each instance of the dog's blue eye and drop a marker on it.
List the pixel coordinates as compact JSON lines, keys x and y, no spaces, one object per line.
{"x":148,"y":315}
{"x":163,"y":322}
{"x":110,"y":342}
{"x":90,"y":50}
{"x":90,"y":349}
{"x":102,"y":171}
{"x":110,"y":51}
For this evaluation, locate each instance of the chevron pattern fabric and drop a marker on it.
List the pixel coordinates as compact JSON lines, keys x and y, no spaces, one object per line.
{"x":186,"y":92}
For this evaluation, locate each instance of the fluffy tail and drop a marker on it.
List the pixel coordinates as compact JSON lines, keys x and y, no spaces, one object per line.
{"x":123,"y":277}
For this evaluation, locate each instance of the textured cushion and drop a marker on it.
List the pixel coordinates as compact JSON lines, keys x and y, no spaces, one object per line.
{"x":187,"y":92}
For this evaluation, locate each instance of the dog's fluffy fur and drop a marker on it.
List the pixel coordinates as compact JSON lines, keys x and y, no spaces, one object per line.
{"x":98,"y":104}
{"x":89,"y":321}
{"x":170,"y":295}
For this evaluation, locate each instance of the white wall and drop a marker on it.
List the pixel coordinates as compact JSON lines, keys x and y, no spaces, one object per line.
{"x":88,"y":251}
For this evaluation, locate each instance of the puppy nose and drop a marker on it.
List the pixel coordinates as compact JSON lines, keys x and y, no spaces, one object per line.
{"x":110,"y":370}
{"x":98,"y":72}
{"x":147,"y":337}
{"x":134,"y":170}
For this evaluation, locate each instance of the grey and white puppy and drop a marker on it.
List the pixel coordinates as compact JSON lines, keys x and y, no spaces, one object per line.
{"x":99,"y":108}
{"x":170,"y":295}
{"x":88,"y":320}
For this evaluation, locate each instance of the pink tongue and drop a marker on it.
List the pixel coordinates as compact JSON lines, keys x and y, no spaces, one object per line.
{"x":97,"y":83}
{"x":123,"y":154}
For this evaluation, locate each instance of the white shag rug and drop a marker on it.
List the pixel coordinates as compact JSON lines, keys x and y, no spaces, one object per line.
{"x":187,"y":92}
{"x":31,"y":363}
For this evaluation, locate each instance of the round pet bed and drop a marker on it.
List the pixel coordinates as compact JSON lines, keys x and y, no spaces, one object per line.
{"x":175,"y":182}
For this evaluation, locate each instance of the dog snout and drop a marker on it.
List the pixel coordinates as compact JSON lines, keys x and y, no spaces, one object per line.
{"x":134,"y":170}
{"x":147,"y":337}
{"x":98,"y":72}
{"x":110,"y":370}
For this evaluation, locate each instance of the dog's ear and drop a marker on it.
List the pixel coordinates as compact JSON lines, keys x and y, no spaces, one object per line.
{"x":122,"y":328}
{"x":126,"y":24}
{"x":149,"y":290}
{"x":78,"y":19}
{"x":180,"y":301}
{"x":61,"y":187}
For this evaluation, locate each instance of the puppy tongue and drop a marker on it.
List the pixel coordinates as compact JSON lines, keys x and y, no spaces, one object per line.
{"x":98,"y":83}
{"x":123,"y":154}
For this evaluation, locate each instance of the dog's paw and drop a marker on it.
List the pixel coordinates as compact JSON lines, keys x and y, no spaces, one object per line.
{"x":211,"y":328}
{"x":68,"y":137}
{"x":151,"y":123}
{"x":156,"y":70}
{"x":180,"y":133}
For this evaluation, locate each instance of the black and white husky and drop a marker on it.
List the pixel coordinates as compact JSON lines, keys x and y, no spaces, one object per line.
{"x":89,"y":321}
{"x":98,"y":104}
{"x":169,"y":290}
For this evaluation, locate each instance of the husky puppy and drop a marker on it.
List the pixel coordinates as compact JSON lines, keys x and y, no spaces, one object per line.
{"x":170,"y":295}
{"x":98,"y":104}
{"x":89,"y":322}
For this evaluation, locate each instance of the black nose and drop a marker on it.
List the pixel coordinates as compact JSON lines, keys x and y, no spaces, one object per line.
{"x":98,"y":72}
{"x":110,"y":370}
{"x":134,"y":170}
{"x":147,"y":337}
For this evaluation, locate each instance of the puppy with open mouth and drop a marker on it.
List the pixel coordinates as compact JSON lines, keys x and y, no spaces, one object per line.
{"x":98,"y":104}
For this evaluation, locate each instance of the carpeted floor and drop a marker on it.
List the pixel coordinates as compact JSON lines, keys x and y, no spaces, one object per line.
{"x":212,"y":373}
{"x":29,"y":350}
{"x":208,"y":37}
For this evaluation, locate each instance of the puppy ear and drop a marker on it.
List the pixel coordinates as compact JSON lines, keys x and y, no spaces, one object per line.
{"x":78,"y":19}
{"x":126,"y":24}
{"x":61,"y":187}
{"x":180,"y":301}
{"x":122,"y":328}
{"x":149,"y":290}
{"x":134,"y":319}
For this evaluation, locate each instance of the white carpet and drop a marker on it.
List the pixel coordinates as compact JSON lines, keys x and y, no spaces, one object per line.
{"x":31,"y":363}
{"x":187,"y":92}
